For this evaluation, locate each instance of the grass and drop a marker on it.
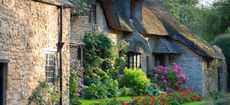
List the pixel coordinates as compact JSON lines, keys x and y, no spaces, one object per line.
{"x":92,"y":102}
{"x":129,"y":99}
{"x":198,"y":103}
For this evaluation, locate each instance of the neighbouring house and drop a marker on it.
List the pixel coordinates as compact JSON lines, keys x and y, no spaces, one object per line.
{"x":29,"y":32}
{"x":154,"y":38}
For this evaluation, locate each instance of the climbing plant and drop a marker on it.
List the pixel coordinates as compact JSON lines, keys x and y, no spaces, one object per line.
{"x":44,"y":94}
{"x":75,"y":83}
{"x":102,"y":65}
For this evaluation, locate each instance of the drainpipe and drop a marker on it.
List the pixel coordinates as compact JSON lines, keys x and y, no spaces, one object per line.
{"x":60,"y":45}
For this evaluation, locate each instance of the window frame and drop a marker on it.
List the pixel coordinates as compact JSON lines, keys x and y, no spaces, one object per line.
{"x":93,"y":14}
{"x":50,"y":78}
{"x":162,"y":58}
{"x":134,"y":60}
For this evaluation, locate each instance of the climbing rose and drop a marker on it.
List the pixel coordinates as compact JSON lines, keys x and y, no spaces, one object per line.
{"x":165,"y":81}
{"x":181,"y":75}
{"x":176,"y":67}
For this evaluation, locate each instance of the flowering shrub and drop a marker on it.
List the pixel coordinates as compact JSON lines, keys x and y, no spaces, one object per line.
{"x":173,"y":98}
{"x":168,"y":78}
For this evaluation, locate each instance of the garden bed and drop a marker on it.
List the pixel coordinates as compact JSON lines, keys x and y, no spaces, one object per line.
{"x":129,"y":99}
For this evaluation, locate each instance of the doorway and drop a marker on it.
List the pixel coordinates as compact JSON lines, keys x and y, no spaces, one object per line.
{"x":3,"y":77}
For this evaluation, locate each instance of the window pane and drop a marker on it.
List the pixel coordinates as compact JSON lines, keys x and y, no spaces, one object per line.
{"x":131,"y":61}
{"x":51,"y":62}
{"x":50,"y":67}
{"x":138,"y":60}
{"x":134,"y":61}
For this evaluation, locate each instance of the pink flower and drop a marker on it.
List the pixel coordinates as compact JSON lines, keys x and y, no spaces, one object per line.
{"x":163,"y":68}
{"x":156,"y":69}
{"x":176,"y":67}
{"x":170,"y":90}
{"x":165,"y":81}
{"x":181,"y":75}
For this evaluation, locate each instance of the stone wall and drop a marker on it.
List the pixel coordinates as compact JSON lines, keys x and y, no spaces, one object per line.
{"x":191,"y":64}
{"x":80,"y":25}
{"x":29,"y":29}
{"x":210,"y":68}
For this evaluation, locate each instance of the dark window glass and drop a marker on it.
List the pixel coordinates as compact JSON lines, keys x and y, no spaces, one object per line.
{"x":79,"y":53}
{"x":134,"y":60}
{"x":159,"y":60}
{"x":93,"y":14}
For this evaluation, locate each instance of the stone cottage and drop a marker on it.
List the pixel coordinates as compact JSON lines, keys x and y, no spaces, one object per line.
{"x":29,"y":32}
{"x":154,"y":38}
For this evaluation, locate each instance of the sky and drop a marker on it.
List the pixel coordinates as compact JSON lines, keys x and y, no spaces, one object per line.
{"x":206,"y":2}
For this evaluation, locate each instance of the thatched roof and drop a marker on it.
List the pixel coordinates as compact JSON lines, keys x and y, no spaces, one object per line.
{"x":117,"y":13}
{"x":154,"y":21}
{"x":165,"y":46}
{"x":151,"y":23}
{"x":137,"y":43}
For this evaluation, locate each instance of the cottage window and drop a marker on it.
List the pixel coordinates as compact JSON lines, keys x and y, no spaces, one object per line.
{"x":161,"y":59}
{"x":50,"y":67}
{"x":134,"y":60}
{"x":93,"y":14}
{"x":80,"y":54}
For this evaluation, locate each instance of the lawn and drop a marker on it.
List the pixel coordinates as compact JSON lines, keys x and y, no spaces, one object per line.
{"x":129,"y":99}
{"x":92,"y":102}
{"x":198,"y":103}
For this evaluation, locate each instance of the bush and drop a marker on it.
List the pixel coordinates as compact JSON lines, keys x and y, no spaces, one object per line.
{"x":73,"y":84}
{"x":94,"y":91}
{"x":136,"y":80}
{"x":174,"y":98}
{"x":106,"y":87}
{"x":153,"y":90}
{"x":125,"y":92}
{"x":168,"y":78}
{"x":102,"y":66}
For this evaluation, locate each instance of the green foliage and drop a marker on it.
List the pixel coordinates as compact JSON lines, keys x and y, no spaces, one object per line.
{"x":94,"y":91}
{"x":136,"y":80}
{"x":125,"y":91}
{"x":208,"y":22}
{"x":102,"y":66}
{"x":184,"y":11}
{"x":43,"y":95}
{"x":105,"y":89}
{"x":73,"y":85}
{"x":153,"y":90}
{"x":97,"y":47}
{"x":223,"y":42}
